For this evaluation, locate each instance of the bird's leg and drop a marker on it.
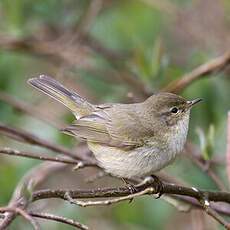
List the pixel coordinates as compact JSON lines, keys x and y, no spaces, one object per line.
{"x":153,"y":179}
{"x":130,"y":186}
{"x":159,"y":186}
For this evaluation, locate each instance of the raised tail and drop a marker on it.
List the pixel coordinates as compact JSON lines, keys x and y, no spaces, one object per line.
{"x":78,"y":105}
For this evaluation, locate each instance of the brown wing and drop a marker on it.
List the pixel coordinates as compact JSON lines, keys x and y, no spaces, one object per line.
{"x":96,"y":127}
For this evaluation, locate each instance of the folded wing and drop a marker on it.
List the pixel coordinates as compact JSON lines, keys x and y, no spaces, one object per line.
{"x":96,"y":128}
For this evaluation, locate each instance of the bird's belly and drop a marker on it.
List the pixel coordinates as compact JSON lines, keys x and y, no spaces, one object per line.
{"x":138,"y":162}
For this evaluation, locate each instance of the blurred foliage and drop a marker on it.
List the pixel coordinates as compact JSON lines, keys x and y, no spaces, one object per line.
{"x":160,"y":40}
{"x":207,"y":142}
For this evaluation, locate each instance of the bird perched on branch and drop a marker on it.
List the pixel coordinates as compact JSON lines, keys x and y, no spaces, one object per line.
{"x":128,"y":140}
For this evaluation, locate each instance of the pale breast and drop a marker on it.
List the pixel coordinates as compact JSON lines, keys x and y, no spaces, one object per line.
{"x":139,"y":162}
{"x":177,"y":138}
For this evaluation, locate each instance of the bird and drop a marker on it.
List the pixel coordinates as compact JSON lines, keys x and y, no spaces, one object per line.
{"x":128,"y":140}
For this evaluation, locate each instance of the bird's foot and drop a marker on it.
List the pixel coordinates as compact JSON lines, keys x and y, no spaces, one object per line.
{"x":130,"y":187}
{"x":159,"y":187}
{"x":149,"y":181}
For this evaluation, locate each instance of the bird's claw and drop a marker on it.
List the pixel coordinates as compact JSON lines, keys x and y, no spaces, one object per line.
{"x":159,"y":187}
{"x":132,"y":189}
{"x":149,"y":181}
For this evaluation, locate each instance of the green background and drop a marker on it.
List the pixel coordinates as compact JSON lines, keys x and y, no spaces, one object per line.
{"x":155,"y":42}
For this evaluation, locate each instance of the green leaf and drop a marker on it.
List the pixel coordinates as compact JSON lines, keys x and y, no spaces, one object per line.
{"x":206,"y":142}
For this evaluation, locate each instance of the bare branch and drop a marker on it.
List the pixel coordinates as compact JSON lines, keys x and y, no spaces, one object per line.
{"x":190,"y":149}
{"x":21,"y":197}
{"x":167,"y":188}
{"x":23,"y":136}
{"x":124,"y":193}
{"x":109,"y":201}
{"x":60,"y":219}
{"x":214,"y":214}
{"x":89,"y":16}
{"x":221,"y":208}
{"x":79,"y":164}
{"x":23,"y":214}
{"x":211,"y":67}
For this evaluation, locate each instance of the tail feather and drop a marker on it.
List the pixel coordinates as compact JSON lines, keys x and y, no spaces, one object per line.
{"x":78,"y":105}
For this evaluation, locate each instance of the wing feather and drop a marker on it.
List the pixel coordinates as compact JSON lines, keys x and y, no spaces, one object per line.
{"x":94,"y":128}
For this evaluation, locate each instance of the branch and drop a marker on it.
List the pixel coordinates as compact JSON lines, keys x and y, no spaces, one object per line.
{"x":21,"y":197}
{"x":65,"y":52}
{"x":129,"y":197}
{"x":67,"y":161}
{"x":203,"y":166}
{"x":23,"y":136}
{"x":221,"y":208}
{"x":85,"y":22}
{"x":216,"y":216}
{"x":59,"y":219}
{"x":79,"y":164}
{"x":23,"y":213}
{"x":214,"y":66}
{"x":124,"y":193}
{"x":167,"y":188}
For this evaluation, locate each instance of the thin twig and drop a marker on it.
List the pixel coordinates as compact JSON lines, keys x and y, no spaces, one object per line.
{"x":24,"y":136}
{"x":23,"y":214}
{"x":79,"y":164}
{"x":217,"y":217}
{"x":206,"y":205}
{"x":20,"y":198}
{"x":106,"y":52}
{"x":108,"y":201}
{"x":221,"y":208}
{"x":190,"y":150}
{"x":60,"y":219}
{"x":213,"y":66}
{"x":215,"y":178}
{"x":88,"y":18}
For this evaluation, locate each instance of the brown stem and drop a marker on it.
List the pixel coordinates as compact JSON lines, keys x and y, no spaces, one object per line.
{"x":13,"y":152}
{"x":23,"y":136}
{"x":217,"y":217}
{"x":23,"y":213}
{"x":191,"y":153}
{"x":167,"y":188}
{"x":60,"y":219}
{"x":20,"y":198}
{"x":213,"y":66}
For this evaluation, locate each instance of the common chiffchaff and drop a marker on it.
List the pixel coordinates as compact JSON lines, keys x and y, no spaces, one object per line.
{"x":128,"y":140}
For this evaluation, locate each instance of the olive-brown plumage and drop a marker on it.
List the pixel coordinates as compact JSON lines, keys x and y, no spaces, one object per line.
{"x":128,"y":140}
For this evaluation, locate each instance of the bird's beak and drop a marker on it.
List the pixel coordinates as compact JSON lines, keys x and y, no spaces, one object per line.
{"x":193,"y":102}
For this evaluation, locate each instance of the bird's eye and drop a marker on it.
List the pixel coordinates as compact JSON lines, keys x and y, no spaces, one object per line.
{"x":174,"y":110}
